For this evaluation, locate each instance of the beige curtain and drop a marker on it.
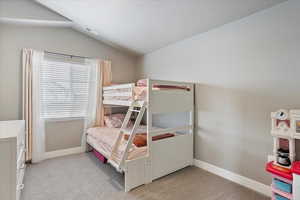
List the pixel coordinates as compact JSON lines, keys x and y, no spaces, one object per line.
{"x":105,"y":78}
{"x":27,"y":56}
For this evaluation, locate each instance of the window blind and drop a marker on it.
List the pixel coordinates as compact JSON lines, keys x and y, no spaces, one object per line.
{"x":64,"y":89}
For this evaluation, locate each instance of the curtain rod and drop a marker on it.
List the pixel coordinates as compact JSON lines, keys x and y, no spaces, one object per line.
{"x":67,"y":55}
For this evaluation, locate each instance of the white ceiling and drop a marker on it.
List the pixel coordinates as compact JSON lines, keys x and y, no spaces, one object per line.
{"x":143,"y":26}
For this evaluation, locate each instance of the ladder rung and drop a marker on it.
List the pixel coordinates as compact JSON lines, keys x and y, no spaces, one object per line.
{"x":125,"y":131}
{"x":113,"y":154}
{"x":135,"y":110}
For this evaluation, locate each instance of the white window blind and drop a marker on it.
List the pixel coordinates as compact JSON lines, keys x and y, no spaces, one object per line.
{"x":64,"y":89}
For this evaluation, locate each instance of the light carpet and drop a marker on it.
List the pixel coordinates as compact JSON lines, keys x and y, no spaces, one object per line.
{"x":83,"y":177}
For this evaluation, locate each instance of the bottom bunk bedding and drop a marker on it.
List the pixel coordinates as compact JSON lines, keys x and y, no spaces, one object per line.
{"x":103,"y":138}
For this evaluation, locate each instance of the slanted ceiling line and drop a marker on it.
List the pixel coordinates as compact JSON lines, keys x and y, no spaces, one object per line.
{"x":35,"y":22}
{"x":63,"y":24}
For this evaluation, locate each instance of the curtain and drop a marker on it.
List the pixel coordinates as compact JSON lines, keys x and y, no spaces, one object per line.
{"x":93,"y":88}
{"x":90,"y":119}
{"x":35,"y":133}
{"x":105,"y":78}
{"x":27,"y":98}
{"x":38,"y":128}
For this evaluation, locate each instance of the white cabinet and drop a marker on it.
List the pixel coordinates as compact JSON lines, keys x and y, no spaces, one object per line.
{"x":296,"y":186}
{"x":12,"y":159}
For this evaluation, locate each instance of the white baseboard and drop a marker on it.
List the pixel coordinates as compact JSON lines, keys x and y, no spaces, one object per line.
{"x":241,"y":180}
{"x":64,"y":152}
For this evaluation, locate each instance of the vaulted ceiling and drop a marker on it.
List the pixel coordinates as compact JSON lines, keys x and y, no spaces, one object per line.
{"x":143,"y":26}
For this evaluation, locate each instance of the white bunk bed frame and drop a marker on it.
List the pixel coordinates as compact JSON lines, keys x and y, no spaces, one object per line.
{"x":163,"y":156}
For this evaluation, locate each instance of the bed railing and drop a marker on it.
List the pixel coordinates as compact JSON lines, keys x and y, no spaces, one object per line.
{"x":170,"y":130}
{"x":170,"y":100}
{"x":119,"y":86}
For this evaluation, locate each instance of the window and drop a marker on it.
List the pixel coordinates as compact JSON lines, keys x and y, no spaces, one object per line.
{"x":64,"y":88}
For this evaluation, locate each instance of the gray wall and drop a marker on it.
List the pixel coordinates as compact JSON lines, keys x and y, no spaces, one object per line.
{"x":243,"y":71}
{"x":27,"y":9}
{"x":69,"y":133}
{"x":64,"y":40}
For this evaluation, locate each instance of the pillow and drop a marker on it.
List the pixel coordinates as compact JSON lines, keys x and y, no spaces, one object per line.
{"x":114,"y":120}
{"x":140,"y":139}
{"x":142,"y":83}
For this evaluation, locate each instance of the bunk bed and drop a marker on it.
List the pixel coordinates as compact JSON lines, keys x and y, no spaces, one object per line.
{"x":166,"y":149}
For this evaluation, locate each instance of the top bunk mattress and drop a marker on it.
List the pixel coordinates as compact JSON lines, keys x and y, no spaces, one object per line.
{"x":135,"y":92}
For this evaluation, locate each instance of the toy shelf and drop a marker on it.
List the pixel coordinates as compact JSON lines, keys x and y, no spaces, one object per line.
{"x":281,"y":193}
{"x":285,"y":130}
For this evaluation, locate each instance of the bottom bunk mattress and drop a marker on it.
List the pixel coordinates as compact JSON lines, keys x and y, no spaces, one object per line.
{"x":103,"y":138}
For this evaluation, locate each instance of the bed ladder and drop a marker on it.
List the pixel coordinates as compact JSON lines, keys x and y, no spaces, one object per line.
{"x":120,"y":164}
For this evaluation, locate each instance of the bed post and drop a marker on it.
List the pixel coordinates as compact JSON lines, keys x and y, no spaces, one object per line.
{"x":148,"y":167}
{"x":192,"y":121}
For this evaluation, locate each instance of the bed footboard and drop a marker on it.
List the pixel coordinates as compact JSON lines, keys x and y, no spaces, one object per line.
{"x":168,"y":158}
{"x":135,"y":173}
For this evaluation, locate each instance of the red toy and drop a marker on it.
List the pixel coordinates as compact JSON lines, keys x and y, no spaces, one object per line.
{"x":99,"y":156}
{"x":296,"y":167}
{"x":280,"y":171}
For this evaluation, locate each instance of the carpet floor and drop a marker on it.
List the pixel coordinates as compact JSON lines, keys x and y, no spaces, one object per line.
{"x":83,"y":177}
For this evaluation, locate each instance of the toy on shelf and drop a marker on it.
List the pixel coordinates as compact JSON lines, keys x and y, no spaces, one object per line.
{"x":285,"y":171}
{"x":284,"y":131}
{"x":286,"y":124}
